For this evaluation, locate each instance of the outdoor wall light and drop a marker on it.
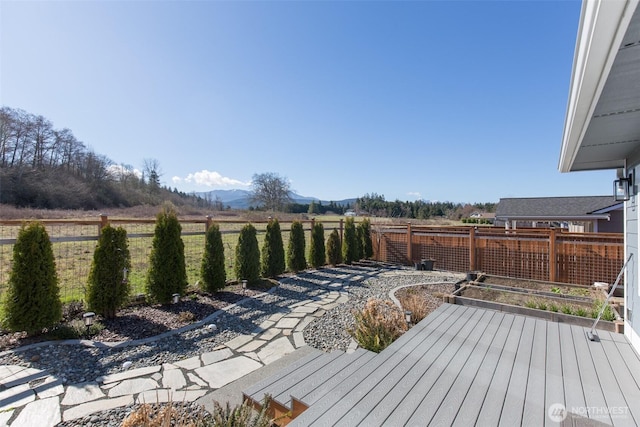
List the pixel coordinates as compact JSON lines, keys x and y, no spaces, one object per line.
{"x":176,"y":298}
{"x":621,"y":189}
{"x":88,"y":319}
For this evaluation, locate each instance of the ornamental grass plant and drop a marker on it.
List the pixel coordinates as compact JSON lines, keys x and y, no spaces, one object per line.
{"x":378,"y":324}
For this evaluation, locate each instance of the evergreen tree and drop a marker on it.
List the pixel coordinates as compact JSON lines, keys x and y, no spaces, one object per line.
{"x":296,"y":248}
{"x":212,"y":269}
{"x":273,"y":251}
{"x":367,"y":244}
{"x":350,"y":242}
{"x":317,"y":256}
{"x":107,"y":286}
{"x":247,"y":265}
{"x":167,"y":272}
{"x":334,"y":253}
{"x":32,"y":301}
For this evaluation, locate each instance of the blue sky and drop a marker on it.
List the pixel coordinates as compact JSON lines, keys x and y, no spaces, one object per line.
{"x":457,"y":101}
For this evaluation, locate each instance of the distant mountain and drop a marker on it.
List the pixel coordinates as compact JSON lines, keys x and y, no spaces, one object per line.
{"x":241,"y":199}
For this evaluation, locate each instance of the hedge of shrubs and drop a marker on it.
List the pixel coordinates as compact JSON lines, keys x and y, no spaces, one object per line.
{"x":32,"y":302}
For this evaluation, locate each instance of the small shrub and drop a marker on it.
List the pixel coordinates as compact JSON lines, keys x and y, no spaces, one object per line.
{"x":378,"y":325}
{"x":416,"y":304}
{"x":296,"y":249}
{"x":107,"y":286}
{"x":531,"y":304}
{"x":542,"y":305}
{"x":334,"y":254}
{"x":273,"y":251}
{"x":32,"y":300}
{"x":165,"y":415}
{"x":212,"y":269}
{"x":553,"y":307}
{"x":317,"y":255}
{"x":608,"y":313}
{"x":247,"y":264}
{"x":556,"y":290}
{"x":243,"y":415}
{"x":167,"y":273}
{"x":349,"y":242}
{"x":74,"y":329}
{"x":186,"y":316}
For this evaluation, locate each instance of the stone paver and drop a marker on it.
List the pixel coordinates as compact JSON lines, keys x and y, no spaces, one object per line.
{"x":215,"y":356}
{"x":174,"y":379}
{"x":97,"y":406}
{"x":81,"y":393}
{"x":133,"y":373}
{"x":132,"y":386}
{"x":222,"y":373}
{"x":16,"y":396}
{"x":275,"y":350}
{"x":41,"y":413}
{"x":182,"y":381}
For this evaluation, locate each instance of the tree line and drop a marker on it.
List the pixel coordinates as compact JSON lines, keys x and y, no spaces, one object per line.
{"x":45,"y":167}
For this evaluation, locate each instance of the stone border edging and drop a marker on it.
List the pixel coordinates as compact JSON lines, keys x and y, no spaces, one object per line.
{"x":396,"y":301}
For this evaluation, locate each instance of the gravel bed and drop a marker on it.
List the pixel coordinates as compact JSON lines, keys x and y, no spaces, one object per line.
{"x":330,"y":332}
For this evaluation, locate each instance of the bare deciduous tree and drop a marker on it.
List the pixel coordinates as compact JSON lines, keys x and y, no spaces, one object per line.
{"x":270,"y":190}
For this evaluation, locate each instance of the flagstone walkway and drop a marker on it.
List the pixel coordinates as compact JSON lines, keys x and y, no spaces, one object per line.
{"x":31,"y":397}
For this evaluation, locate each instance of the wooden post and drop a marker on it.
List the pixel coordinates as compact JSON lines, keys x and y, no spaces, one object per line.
{"x":208,"y":223}
{"x":472,"y":249}
{"x":104,"y":221}
{"x":313,"y":223}
{"x":341,"y":230}
{"x":552,"y":256}
{"x":409,"y":243}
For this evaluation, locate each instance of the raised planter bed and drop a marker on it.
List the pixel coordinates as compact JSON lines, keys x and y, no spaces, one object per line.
{"x":536,"y":299}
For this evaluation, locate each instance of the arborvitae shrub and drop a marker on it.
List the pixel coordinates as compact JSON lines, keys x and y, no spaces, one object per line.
{"x":317,"y":256}
{"x":367,"y":244}
{"x":167,"y":273}
{"x":247,"y":265}
{"x":273,"y":251}
{"x":212,"y":269}
{"x":295,"y":252}
{"x":359,"y":240}
{"x":107,"y":286}
{"x":334,"y":253}
{"x":349,"y":242}
{"x":32,"y":301}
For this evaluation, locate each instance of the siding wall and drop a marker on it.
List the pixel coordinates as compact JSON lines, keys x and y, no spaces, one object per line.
{"x":632,"y":295}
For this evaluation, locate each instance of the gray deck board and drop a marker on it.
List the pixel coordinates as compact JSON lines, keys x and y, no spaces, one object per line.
{"x":534,"y":412}
{"x":406,"y":353}
{"x":467,"y":366}
{"x":554,"y":387}
{"x":593,"y":394}
{"x":404,"y":411}
{"x":513,"y":405}
{"x":447,"y":411}
{"x":470,"y":407}
{"x":391,"y":395}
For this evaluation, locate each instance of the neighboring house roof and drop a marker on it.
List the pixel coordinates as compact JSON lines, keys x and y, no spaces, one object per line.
{"x":556,"y":208}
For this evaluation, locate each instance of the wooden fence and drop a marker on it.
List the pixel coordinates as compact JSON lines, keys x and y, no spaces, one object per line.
{"x":539,"y":254}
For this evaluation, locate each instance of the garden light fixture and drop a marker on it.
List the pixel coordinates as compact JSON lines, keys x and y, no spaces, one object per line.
{"x":88,"y":319}
{"x":244,"y":284}
{"x":407,"y":316}
{"x":176,"y":298}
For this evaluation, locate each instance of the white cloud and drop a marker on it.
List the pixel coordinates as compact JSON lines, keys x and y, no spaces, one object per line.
{"x":119,"y":170}
{"x":210,"y":179}
{"x":414,"y":194}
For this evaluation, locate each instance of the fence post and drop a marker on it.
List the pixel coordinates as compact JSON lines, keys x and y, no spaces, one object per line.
{"x":552,"y":255}
{"x":341,"y":229}
{"x":313,"y":223}
{"x":472,"y":249}
{"x":208,"y":223}
{"x":409,"y":243}
{"x":104,"y":221}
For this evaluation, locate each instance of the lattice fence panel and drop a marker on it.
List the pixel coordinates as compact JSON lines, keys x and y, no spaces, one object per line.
{"x":450,"y":252}
{"x":513,"y":256}
{"x":583,"y":262}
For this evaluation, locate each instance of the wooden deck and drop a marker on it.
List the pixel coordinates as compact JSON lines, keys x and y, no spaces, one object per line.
{"x":468,"y":366}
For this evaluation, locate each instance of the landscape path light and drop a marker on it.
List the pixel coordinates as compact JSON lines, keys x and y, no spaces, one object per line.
{"x":176,"y":298}
{"x":88,"y":319}
{"x":407,"y":316}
